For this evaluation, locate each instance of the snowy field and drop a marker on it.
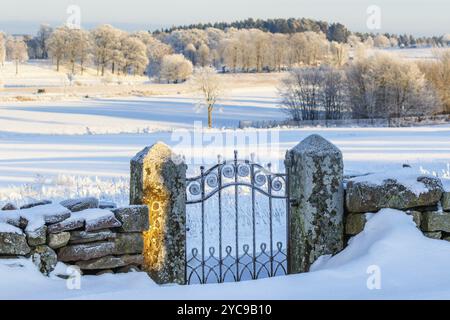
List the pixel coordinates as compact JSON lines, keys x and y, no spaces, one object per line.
{"x":409,"y":265}
{"x":56,"y":150}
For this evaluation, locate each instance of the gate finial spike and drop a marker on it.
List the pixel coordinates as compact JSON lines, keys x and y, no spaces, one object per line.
{"x":235,"y":154}
{"x":219,"y":158}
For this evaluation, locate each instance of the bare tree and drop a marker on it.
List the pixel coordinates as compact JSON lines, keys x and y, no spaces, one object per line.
{"x":207,"y":81}
{"x":334,"y":93}
{"x":17,"y":51}
{"x":301,"y":93}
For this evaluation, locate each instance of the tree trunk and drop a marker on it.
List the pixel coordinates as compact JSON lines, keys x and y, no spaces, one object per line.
{"x":57,"y":64}
{"x":17,"y":67}
{"x":210,"y":109}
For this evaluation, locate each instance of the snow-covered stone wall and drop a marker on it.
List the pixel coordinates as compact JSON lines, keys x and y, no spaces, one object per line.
{"x":424,"y":197}
{"x":95,"y":236}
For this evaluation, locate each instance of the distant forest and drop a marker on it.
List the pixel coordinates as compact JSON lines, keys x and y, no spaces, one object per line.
{"x":333,"y":31}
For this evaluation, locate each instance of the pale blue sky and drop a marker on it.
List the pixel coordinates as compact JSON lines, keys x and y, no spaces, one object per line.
{"x":423,"y":17}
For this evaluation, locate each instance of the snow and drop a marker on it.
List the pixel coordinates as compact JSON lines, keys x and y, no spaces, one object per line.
{"x":390,"y":243}
{"x":35,"y":216}
{"x":91,"y":215}
{"x":7,"y":228}
{"x":405,"y":176}
{"x":65,"y":166}
{"x":65,"y":149}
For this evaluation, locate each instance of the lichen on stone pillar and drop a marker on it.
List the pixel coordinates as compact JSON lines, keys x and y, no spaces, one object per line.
{"x":158,"y":180}
{"x":315,"y":168}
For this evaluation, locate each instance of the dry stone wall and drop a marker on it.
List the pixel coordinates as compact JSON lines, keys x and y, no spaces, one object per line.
{"x":94,"y":236}
{"x":423,"y":197}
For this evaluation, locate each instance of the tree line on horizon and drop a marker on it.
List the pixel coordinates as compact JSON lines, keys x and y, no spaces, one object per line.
{"x":334,"y":31}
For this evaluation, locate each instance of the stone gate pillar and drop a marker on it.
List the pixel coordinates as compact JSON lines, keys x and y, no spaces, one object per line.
{"x":158,"y":180}
{"x":316,"y":190}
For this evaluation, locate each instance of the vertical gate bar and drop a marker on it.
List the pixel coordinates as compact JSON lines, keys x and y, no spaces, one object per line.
{"x":252,"y":176}
{"x":202,"y":170}
{"x":219,"y":174}
{"x":186,"y":282}
{"x":236,"y":190}
{"x":270,"y":222}
{"x":288,"y":218}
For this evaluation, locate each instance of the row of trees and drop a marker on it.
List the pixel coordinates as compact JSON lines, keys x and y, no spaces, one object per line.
{"x":171,"y":56}
{"x":254,"y":50}
{"x":379,"y":86}
{"x":334,"y":31}
{"x":106,"y":46}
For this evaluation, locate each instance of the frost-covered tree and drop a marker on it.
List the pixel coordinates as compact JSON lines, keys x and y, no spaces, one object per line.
{"x":260,"y":46}
{"x":58,"y":45}
{"x":78,"y":48}
{"x":308,"y":48}
{"x":393,"y":42}
{"x":190,"y":52}
{"x":180,"y":39}
{"x":175,"y":68}
{"x":338,"y":53}
{"x":203,"y":55}
{"x":279,"y":51}
{"x":42,"y":37}
{"x":84,"y":48}
{"x":353,"y":40}
{"x":209,"y":84}
{"x":437,"y":72}
{"x":381,"y":41}
{"x":369,"y":43}
{"x":2,"y":49}
{"x":156,"y":50}
{"x":134,"y":52}
{"x":230,"y":53}
{"x":385,"y":86}
{"x":17,"y":51}
{"x":106,"y":40}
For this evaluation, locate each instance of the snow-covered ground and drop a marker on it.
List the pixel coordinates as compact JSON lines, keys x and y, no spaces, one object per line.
{"x":59,"y":150}
{"x":55,"y":150}
{"x":390,"y":259}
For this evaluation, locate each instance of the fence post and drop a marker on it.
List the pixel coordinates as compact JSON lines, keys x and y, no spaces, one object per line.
{"x":315,"y":169}
{"x":158,"y":180}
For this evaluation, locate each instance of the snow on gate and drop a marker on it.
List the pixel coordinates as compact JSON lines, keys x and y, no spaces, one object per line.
{"x":237,"y":213}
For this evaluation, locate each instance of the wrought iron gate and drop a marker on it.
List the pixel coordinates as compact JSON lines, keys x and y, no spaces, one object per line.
{"x":243,"y":259}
